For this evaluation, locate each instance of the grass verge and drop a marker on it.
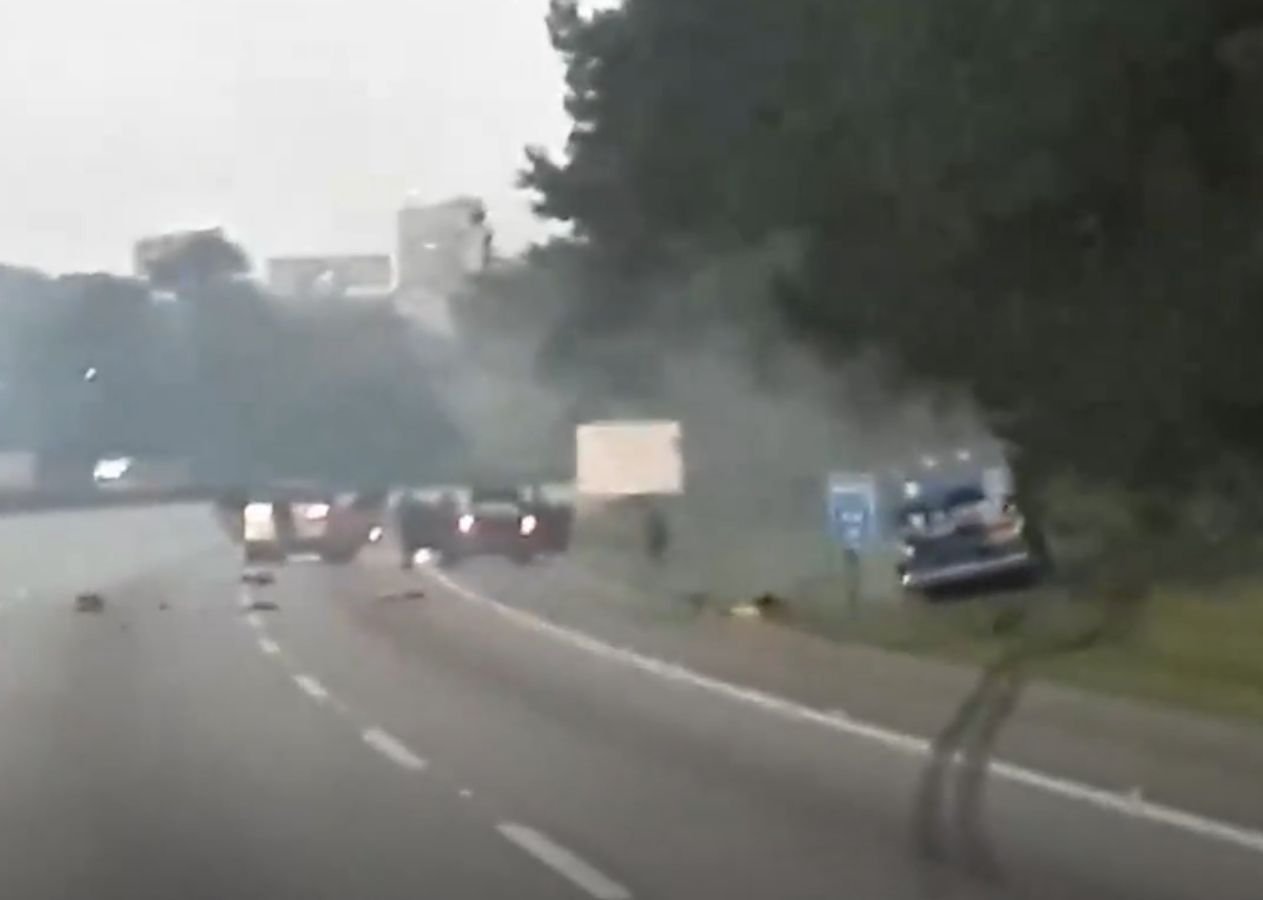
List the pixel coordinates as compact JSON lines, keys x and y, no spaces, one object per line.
{"x":1194,"y":652}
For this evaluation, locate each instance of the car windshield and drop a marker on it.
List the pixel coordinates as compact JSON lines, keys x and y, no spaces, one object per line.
{"x":567,"y":449}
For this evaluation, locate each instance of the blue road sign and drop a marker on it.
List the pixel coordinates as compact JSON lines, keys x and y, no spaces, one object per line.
{"x":852,"y":510}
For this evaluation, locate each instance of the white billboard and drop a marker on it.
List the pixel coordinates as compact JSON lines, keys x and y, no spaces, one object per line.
{"x":630,"y":458}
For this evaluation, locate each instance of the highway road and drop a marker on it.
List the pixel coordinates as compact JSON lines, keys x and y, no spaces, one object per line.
{"x":385,"y":735}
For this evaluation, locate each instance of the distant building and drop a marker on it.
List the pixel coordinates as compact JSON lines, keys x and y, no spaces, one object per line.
{"x":358,"y":277}
{"x":440,"y":246}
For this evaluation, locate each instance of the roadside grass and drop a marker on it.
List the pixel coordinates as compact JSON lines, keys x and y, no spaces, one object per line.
{"x":1198,"y":652}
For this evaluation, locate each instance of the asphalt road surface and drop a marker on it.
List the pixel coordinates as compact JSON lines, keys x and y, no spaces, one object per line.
{"x":363,"y":740}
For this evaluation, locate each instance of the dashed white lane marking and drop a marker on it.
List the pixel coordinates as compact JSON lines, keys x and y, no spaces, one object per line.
{"x":254,"y":620}
{"x":312,"y":688}
{"x":575,"y":870}
{"x":1125,"y":805}
{"x":393,"y":749}
{"x":269,"y":646}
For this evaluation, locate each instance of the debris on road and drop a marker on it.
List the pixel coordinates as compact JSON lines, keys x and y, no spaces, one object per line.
{"x":761,"y":607}
{"x":89,"y":602}
{"x":697,"y":601}
{"x":397,"y":596}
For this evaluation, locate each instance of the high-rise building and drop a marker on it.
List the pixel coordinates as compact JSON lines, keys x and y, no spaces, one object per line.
{"x":440,"y":246}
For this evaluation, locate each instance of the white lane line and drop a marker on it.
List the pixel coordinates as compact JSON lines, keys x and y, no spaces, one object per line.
{"x":270,"y":647}
{"x":254,"y":620}
{"x":1123,"y":804}
{"x":312,"y":688}
{"x":566,"y":864}
{"x":393,"y":749}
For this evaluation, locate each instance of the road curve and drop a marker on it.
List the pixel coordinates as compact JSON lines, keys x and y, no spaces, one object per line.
{"x":380,"y":735}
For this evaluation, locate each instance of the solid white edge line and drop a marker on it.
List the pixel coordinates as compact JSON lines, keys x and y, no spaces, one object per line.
{"x":393,"y":749}
{"x":562,"y":861}
{"x":269,"y":646}
{"x":1203,"y":826}
{"x":312,"y":688}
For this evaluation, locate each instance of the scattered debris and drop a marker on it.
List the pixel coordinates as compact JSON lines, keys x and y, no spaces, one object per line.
{"x":89,"y":602}
{"x":397,"y":596}
{"x":258,"y":577}
{"x":761,"y":607}
{"x":697,"y":601}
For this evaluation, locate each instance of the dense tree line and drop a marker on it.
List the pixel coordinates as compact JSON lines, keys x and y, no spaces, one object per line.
{"x":1051,"y":206}
{"x":198,"y":363}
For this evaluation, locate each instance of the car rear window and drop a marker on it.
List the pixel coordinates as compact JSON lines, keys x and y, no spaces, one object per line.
{"x":496,"y":508}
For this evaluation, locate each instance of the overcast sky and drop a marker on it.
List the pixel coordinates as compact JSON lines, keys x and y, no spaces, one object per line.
{"x":298,"y":124}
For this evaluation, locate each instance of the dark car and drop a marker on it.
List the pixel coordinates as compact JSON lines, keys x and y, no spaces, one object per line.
{"x":508,"y":522}
{"x":961,"y":537}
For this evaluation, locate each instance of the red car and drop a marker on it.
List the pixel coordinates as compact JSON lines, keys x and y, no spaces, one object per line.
{"x":490,"y":522}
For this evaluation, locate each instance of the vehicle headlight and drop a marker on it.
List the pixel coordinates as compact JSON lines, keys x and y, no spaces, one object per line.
{"x":466,"y":524}
{"x":316,"y":512}
{"x":1007,"y":531}
{"x":529,"y":525}
{"x":376,"y":534}
{"x":111,"y":469}
{"x":908,"y":551}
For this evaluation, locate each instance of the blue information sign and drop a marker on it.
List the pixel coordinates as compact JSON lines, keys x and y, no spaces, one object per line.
{"x":852,"y":510}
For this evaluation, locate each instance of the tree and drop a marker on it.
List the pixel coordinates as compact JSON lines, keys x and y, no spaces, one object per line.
{"x":984,"y":190}
{"x":195,"y":259}
{"x":231,"y":381}
{"x":1049,"y":206}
